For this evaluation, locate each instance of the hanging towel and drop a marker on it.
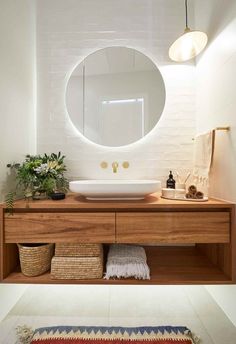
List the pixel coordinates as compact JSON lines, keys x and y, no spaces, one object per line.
{"x":203,"y":155}
{"x":127,"y":261}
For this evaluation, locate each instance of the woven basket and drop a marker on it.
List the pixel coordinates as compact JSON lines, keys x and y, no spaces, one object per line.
{"x":35,"y":259}
{"x":77,"y":267}
{"x":78,"y":250}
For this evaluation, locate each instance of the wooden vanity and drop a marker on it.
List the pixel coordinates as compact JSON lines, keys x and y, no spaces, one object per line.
{"x":186,"y":242}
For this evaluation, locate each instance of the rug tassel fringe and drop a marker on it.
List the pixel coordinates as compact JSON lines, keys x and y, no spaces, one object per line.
{"x":193,"y":336}
{"x":24,"y":334}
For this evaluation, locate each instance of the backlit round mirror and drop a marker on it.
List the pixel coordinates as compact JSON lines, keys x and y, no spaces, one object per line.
{"x":115,"y":96}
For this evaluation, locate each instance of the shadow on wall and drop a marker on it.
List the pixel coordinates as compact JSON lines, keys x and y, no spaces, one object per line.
{"x":220,"y":14}
{"x":8,"y":184}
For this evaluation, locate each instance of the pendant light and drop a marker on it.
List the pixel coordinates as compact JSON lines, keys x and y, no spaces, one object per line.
{"x":189,"y":45}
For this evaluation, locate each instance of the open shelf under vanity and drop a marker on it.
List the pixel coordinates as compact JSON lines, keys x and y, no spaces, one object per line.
{"x":168,"y":265}
{"x":206,"y":232}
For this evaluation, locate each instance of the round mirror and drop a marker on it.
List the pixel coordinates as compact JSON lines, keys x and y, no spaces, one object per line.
{"x":115,"y":96}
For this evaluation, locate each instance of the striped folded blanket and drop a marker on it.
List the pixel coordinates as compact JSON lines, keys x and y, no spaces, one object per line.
{"x":127,"y":261}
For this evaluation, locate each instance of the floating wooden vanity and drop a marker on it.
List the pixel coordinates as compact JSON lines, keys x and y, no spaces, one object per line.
{"x":207,"y":231}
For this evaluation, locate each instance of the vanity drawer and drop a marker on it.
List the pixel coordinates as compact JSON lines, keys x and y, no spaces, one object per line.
{"x":60,"y":227}
{"x":173,"y":227}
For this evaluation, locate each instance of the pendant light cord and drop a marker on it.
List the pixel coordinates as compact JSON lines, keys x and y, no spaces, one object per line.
{"x":186,"y":13}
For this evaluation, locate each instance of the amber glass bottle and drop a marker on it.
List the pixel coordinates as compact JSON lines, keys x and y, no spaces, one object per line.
{"x":170,"y":183}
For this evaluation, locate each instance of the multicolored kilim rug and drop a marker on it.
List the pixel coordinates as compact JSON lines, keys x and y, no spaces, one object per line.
{"x":112,"y":335}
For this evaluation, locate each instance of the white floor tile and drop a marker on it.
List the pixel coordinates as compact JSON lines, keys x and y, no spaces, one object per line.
{"x":51,"y":305}
{"x":212,"y":317}
{"x":65,"y":301}
{"x":149,"y":301}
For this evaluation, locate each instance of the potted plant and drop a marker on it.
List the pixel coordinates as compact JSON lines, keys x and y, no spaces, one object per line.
{"x":39,"y":176}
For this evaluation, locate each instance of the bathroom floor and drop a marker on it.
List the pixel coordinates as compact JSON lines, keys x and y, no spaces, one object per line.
{"x":192,"y":306}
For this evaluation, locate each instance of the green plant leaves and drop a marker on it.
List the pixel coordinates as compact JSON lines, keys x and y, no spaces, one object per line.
{"x":39,"y":173}
{"x":9,"y":202}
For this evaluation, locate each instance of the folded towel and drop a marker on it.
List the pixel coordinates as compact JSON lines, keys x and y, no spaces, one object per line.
{"x":203,"y":154}
{"x":127,"y":261}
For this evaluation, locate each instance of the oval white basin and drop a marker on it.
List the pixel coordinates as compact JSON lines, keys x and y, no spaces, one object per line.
{"x":115,"y":189}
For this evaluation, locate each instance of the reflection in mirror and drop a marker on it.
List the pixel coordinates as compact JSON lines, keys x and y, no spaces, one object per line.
{"x":115,"y":96}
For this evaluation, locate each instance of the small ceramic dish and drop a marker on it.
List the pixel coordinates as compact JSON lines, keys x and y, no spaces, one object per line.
{"x":57,"y":196}
{"x":168,"y":193}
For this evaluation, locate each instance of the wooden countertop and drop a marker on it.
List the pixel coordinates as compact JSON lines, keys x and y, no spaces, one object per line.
{"x":74,"y":202}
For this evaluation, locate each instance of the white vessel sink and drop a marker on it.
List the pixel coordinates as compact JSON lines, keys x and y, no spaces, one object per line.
{"x":115,"y":189}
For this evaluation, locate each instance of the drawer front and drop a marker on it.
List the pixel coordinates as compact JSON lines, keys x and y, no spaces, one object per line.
{"x":173,"y":227}
{"x":60,"y":227}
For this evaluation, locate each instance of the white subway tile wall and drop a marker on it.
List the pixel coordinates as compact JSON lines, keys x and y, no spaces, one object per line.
{"x":67,"y":31}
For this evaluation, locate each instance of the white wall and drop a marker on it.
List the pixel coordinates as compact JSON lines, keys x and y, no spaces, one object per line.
{"x":17,"y":84}
{"x":67,"y":31}
{"x":9,"y":295}
{"x":17,"y":112}
{"x":216,"y":106}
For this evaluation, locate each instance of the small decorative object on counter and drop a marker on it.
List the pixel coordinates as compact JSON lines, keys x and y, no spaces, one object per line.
{"x":181,"y":181}
{"x":35,"y":259}
{"x":193,"y":193}
{"x":56,"y":196}
{"x":199,"y":195}
{"x":180,"y":193}
{"x":170,"y":183}
{"x":192,"y":190}
{"x":180,"y":186}
{"x":168,"y":193}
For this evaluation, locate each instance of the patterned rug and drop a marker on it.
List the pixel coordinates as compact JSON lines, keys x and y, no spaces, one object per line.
{"x":113,"y":335}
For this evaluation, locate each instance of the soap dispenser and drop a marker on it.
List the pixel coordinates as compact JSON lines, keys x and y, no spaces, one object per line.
{"x":170,"y":183}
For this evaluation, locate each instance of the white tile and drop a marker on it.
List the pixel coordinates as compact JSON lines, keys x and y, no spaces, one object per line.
{"x":149,"y":301}
{"x":129,"y":306}
{"x":218,"y":326}
{"x":59,"y":49}
{"x":76,"y":300}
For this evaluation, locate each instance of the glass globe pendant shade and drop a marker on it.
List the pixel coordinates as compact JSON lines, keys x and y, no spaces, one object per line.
{"x":187,"y":46}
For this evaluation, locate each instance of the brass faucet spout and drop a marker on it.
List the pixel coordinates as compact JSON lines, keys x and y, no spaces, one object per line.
{"x":114,"y":166}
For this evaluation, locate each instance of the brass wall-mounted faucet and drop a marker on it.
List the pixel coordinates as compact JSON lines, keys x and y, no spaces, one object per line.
{"x":115,"y":166}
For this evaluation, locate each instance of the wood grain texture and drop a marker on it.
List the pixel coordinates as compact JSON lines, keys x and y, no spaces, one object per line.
{"x":77,"y":220}
{"x":168,"y":265}
{"x":9,"y":258}
{"x":211,"y":251}
{"x":77,"y":203}
{"x":233,"y":243}
{"x":173,"y":227}
{"x":223,"y":255}
{"x":60,"y":227}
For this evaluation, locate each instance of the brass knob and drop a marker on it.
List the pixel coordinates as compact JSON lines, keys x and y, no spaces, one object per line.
{"x":125,"y":164}
{"x":104,"y":164}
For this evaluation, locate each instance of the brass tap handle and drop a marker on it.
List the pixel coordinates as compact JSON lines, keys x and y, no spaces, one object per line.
{"x":115,"y":166}
{"x":125,"y":164}
{"x":104,"y":164}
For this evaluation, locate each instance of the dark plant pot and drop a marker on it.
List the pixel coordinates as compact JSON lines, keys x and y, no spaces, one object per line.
{"x":57,"y":196}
